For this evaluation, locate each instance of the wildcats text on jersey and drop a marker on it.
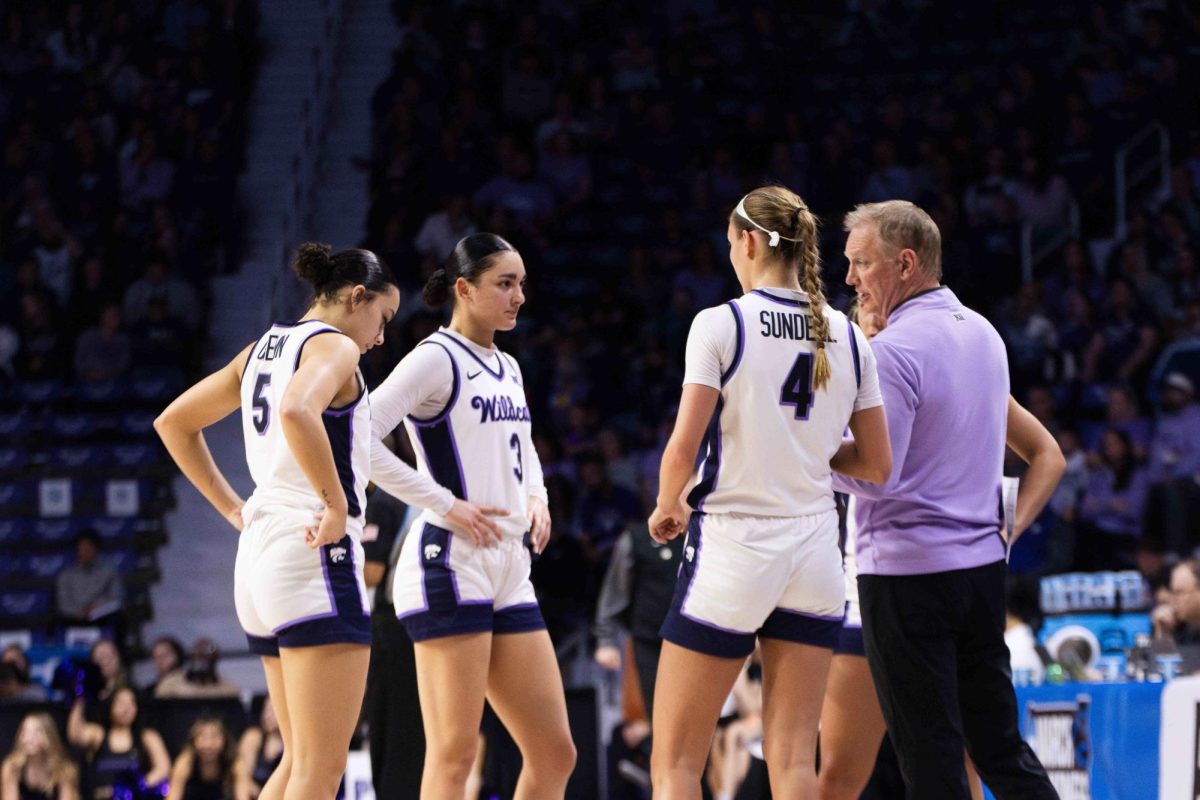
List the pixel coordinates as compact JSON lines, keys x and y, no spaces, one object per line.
{"x":788,"y":325}
{"x":499,"y":409}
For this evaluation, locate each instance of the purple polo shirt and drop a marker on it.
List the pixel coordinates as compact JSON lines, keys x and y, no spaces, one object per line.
{"x":944,"y":375}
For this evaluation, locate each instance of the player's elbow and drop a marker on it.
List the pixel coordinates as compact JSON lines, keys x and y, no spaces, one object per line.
{"x":879,"y":467}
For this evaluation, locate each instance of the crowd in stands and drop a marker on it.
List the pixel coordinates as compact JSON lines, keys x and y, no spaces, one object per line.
{"x":122,"y":126}
{"x":122,"y":130}
{"x":183,"y":733}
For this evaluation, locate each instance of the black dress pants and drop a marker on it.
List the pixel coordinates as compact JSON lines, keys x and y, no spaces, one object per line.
{"x":936,"y":648}
{"x":397,"y":740}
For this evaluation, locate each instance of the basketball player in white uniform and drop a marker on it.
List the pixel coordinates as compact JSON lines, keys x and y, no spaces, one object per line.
{"x":771,"y":382}
{"x":298,"y":584}
{"x":852,"y":724}
{"x":461,"y":585}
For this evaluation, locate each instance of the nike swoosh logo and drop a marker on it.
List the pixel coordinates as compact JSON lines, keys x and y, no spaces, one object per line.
{"x":473,"y":375}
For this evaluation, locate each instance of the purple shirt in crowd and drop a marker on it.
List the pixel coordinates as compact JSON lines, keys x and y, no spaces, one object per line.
{"x":944,"y":375}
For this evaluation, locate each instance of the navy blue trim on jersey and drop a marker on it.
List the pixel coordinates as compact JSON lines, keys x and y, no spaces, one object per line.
{"x":741,"y":342}
{"x":521,"y":618}
{"x":694,"y":634}
{"x":497,"y":375}
{"x":802,"y":628}
{"x":348,"y":622}
{"x":850,"y":642}
{"x":362,"y":391}
{"x":300,"y":349}
{"x":441,"y":454}
{"x":712,"y":460}
{"x":263,"y":645}
{"x":444,"y":613}
{"x":445,"y":412}
{"x":854,"y":351}
{"x":339,"y":427}
{"x":783,"y":301}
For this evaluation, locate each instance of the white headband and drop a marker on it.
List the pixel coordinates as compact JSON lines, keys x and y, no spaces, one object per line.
{"x":773,"y":237}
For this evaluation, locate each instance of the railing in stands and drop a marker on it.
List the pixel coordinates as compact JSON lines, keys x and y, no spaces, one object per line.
{"x":1039,"y":244}
{"x":301,"y":185}
{"x":1145,"y":153}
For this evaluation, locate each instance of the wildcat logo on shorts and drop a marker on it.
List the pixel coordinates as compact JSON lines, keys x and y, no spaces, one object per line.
{"x":689,"y":552}
{"x":337,"y":554}
{"x":432,"y":551}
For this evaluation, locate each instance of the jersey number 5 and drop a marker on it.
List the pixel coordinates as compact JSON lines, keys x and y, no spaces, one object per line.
{"x":798,"y":386}
{"x":519,"y":470}
{"x":262,"y":409}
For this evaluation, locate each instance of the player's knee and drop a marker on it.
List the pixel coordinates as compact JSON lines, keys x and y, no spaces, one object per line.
{"x":556,"y":757}
{"x":835,"y":783}
{"x":453,"y":755}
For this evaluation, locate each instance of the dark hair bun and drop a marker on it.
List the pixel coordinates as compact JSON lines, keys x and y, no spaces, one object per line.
{"x":437,"y":289}
{"x":314,"y":265}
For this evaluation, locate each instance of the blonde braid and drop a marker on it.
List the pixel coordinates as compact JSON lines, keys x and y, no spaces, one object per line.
{"x":814,"y":287}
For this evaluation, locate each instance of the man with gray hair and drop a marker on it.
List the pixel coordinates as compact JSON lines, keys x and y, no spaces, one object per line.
{"x":930,"y":547}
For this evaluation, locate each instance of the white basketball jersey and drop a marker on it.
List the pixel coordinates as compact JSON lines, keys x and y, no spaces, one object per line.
{"x":277,"y":476}
{"x":477,"y":446}
{"x":772,"y":434}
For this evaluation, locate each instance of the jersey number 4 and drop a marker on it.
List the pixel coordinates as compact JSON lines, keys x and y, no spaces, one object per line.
{"x":798,"y":386}
{"x":262,"y":409}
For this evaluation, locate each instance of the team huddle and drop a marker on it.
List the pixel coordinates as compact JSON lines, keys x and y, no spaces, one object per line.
{"x":785,"y":400}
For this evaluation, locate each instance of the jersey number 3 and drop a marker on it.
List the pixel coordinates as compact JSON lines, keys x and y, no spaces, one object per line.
{"x":262,"y":409}
{"x":519,"y":470}
{"x":798,"y":386}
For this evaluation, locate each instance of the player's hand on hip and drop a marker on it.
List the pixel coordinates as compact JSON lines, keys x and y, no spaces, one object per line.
{"x":234,"y":517}
{"x":667,"y":522}
{"x":330,"y":528}
{"x":539,"y":524}
{"x":476,"y":521}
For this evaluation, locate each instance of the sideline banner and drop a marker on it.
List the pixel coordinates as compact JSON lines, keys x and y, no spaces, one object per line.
{"x":1097,"y":740}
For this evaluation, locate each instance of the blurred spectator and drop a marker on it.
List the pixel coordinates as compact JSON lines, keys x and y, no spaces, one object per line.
{"x":121,"y":751}
{"x":204,"y":768}
{"x":113,"y":674}
{"x":604,"y":509}
{"x":1030,"y":337}
{"x":442,"y":230}
{"x":103,"y":353}
{"x":1122,"y":414}
{"x":635,"y":596}
{"x":28,"y":690}
{"x":1111,"y":512}
{"x":43,"y":349}
{"x":38,"y":766}
{"x":1020,"y":615}
{"x":1043,"y":198}
{"x":200,"y":679}
{"x":167,"y":655}
{"x":145,"y":176}
{"x":157,"y":283}
{"x":160,"y":340}
{"x":1179,"y":618}
{"x":518,"y":193}
{"x":89,"y":591}
{"x":259,"y":753}
{"x":1175,"y":447}
{"x":565,"y":171}
{"x":1124,"y":341}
